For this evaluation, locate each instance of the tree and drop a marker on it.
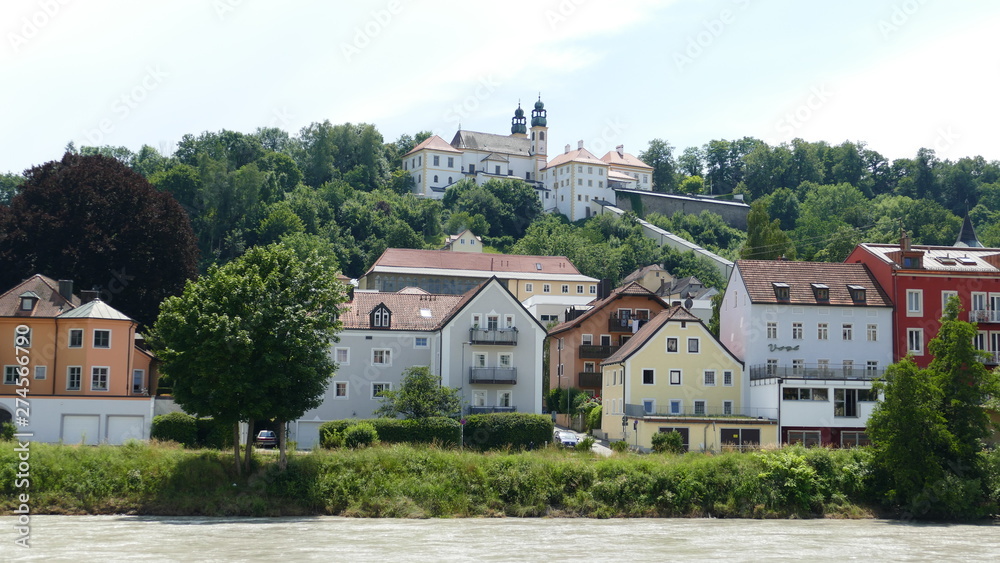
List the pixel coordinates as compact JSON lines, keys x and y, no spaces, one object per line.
{"x":660,"y":155}
{"x":9,"y":184}
{"x":765,"y":239}
{"x":250,"y":340}
{"x":928,"y":430}
{"x":421,"y":395}
{"x":94,"y":220}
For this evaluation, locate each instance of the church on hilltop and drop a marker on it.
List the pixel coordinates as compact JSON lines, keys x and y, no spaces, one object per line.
{"x":572,"y":183}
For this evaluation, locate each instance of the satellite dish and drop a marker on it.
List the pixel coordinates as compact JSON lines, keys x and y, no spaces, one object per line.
{"x":688,"y":303}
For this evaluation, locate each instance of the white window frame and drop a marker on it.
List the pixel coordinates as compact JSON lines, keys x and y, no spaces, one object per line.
{"x":41,"y":372}
{"x":708,"y":377}
{"x":727,"y":378}
{"x":915,"y":335}
{"x":676,"y":342}
{"x":546,"y":288}
{"x":797,"y":331}
{"x":946,"y":295}
{"x":347,"y":354}
{"x":508,"y":321}
{"x":505,"y":393}
{"x":93,"y":339}
{"x":822,"y":331}
{"x":676,"y":406}
{"x":700,"y":404}
{"x":142,"y":380}
{"x":652,"y":373}
{"x":727,"y":407}
{"x":25,"y":336}
{"x":587,"y":339}
{"x":697,"y":345}
{"x":479,"y":398}
{"x":386,"y":386}
{"x":418,"y":345}
{"x":772,"y":330}
{"x":386,"y":357}
{"x":914,"y":302}
{"x":872,"y":333}
{"x":502,"y":356}
{"x":107,"y":378}
{"x":676,"y":377}
{"x":69,"y":378}
{"x":529,"y":287}
{"x":480,"y":360}
{"x":69,"y":337}
{"x":847,"y":331}
{"x":10,"y":374}
{"x":337,"y":385}
{"x":593,"y":289}
{"x":649,"y":406}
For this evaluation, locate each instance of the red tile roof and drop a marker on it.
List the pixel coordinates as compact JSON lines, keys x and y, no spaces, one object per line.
{"x":433,"y":143}
{"x":410,"y":311}
{"x":624,"y":159}
{"x":499,"y":263}
{"x":631,"y":288}
{"x":579,"y":155}
{"x":759,"y":275}
{"x":639,"y":339}
{"x":50,"y":303}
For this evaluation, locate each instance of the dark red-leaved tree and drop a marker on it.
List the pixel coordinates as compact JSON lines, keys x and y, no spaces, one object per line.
{"x":93,"y":220}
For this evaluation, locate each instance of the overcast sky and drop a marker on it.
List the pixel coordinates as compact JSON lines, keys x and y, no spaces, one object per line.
{"x":899,"y":74}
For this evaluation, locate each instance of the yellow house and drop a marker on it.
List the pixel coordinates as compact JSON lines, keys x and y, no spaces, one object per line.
{"x":464,"y":241}
{"x":674,"y":375}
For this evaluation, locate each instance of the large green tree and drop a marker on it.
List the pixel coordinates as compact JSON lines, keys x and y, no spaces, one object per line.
{"x":250,"y":340}
{"x":765,"y":239}
{"x":94,"y":220}
{"x":420,"y":395}
{"x":660,"y":155}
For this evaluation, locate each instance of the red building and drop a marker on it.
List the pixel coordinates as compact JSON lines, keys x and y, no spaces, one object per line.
{"x":920,"y":279}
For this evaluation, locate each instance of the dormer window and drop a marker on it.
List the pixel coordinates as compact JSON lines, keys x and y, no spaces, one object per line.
{"x":821,"y":291}
{"x":782,"y":291}
{"x":28,"y":300}
{"x":858,"y":293}
{"x":381,"y":316}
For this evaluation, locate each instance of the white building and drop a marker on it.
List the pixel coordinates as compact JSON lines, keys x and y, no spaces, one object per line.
{"x":812,"y":337}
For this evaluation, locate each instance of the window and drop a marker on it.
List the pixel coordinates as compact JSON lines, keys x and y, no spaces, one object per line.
{"x":675,"y":377}
{"x":23,"y":339}
{"x":914,"y":302}
{"x":529,"y":287}
{"x":727,"y":407}
{"x":340,"y":389}
{"x":807,"y":438}
{"x":945,"y":296}
{"x":451,"y":162}
{"x":675,"y":406}
{"x":915,"y":341}
{"x":342,"y":356}
{"x":772,"y":330}
{"x":41,"y":372}
{"x":845,"y":402}
{"x":505,"y":360}
{"x":579,"y":289}
{"x":804,"y":394}
{"x":565,"y":288}
{"x":782,"y":291}
{"x":420,"y":342}
{"x":586,"y":339}
{"x":546,"y":288}
{"x":73,"y":376}
{"x":508,"y":321}
{"x":848,"y":331}
{"x":379,"y":388}
{"x":435,"y":181}
{"x":98,"y":378}
{"x":850,"y":439}
{"x":492,"y":322}
{"x":857,"y":293}
{"x":796,"y":331}
{"x":593,"y":290}
{"x":496,"y":169}
{"x":76,"y":338}
{"x":872,"y":333}
{"x":479,"y":398}
{"x":772,"y":366}
{"x":871,"y":368}
{"x":823,"y":366}
{"x":381,"y":357}
{"x":693,"y":345}
{"x":138,"y":380}
{"x":710,"y":377}
{"x":589,"y":367}
{"x":727,"y":378}
{"x":381,"y":317}
{"x":504,"y":399}
{"x":699,"y":408}
{"x":648,"y":406}
{"x":821,"y":291}
{"x":647,"y":377}
{"x":822,"y":331}
{"x":671,"y":345}
{"x":10,"y":375}
{"x":848,"y":368}
{"x":798,"y":367}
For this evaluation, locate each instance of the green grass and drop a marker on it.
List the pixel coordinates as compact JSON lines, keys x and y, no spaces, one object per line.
{"x":425,"y":481}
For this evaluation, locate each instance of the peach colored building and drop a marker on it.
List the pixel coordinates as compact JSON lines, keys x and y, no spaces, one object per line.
{"x":72,"y":371}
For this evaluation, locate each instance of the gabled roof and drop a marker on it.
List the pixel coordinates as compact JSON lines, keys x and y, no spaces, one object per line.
{"x":488,"y":142}
{"x":949,"y":259}
{"x":648,"y":330}
{"x":473,"y":264}
{"x":433,"y":143}
{"x":624,"y":159}
{"x":579,"y":155}
{"x":641,"y":272}
{"x":967,"y":236}
{"x":472,"y":293}
{"x":410,"y":311}
{"x":631,"y":288}
{"x":95,"y":309}
{"x":760,"y":275}
{"x":50,"y":302}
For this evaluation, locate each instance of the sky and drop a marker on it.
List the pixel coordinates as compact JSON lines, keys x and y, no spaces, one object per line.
{"x":898,"y":75}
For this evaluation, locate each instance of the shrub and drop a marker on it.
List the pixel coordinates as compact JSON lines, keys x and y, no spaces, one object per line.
{"x":392,"y":430}
{"x":360,"y":435}
{"x":668,"y":442}
{"x":176,"y":426}
{"x":594,"y":417}
{"x":585,"y":444}
{"x":214,"y":434}
{"x":330,"y":437}
{"x":514,"y":429}
{"x":619,"y":446}
{"x":7,"y":431}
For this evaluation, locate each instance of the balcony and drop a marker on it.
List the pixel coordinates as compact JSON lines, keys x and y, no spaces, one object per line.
{"x":991,"y":358}
{"x":590,"y":379}
{"x":689,"y":410}
{"x":493,"y":375}
{"x":490,"y":409}
{"x":815,"y":371}
{"x":597,"y":351}
{"x":984,"y":316}
{"x":624,"y":324}
{"x":502,"y":336}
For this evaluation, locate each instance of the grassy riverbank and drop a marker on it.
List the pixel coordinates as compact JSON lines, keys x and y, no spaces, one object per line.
{"x":416,"y":482}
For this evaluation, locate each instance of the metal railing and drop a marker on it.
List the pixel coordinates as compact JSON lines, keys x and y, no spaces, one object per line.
{"x":714,"y":411}
{"x":597,"y":351}
{"x":815,"y":371}
{"x":590,"y":379}
{"x":492,"y":375}
{"x":490,"y":409}
{"x":984,"y":316}
{"x":624,"y":324}
{"x":503,"y":336}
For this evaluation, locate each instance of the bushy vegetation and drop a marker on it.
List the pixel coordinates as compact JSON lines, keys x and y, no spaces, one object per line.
{"x":668,"y":442}
{"x":619,"y":446}
{"x":7,"y":431}
{"x":360,"y":435}
{"x":502,"y":430}
{"x":191,"y":432}
{"x":422,"y":481}
{"x":441,"y":430}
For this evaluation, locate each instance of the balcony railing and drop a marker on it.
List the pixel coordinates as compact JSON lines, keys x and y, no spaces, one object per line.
{"x":624,"y":324}
{"x":492,"y":375}
{"x":590,"y":379}
{"x":597,"y":351}
{"x":992,"y":358}
{"x":815,"y":371}
{"x":713,"y":411}
{"x":984,"y":316}
{"x":490,"y":409}
{"x":502,"y":336}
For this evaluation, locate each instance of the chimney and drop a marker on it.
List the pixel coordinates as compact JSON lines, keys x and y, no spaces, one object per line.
{"x":904,"y":241}
{"x":66,"y":289}
{"x":88,"y":295}
{"x":567,"y":148}
{"x":579,"y":144}
{"x":621,"y":150}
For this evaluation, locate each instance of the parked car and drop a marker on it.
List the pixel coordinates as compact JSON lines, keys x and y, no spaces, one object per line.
{"x":566,"y":438}
{"x":266,"y":439}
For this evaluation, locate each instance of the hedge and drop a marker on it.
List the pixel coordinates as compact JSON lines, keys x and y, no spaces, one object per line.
{"x":498,"y":430}
{"x":191,"y":432}
{"x":393,"y":430}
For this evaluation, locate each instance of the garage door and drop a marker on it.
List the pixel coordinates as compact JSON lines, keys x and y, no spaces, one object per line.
{"x":125,"y":427}
{"x":307,"y":435}
{"x":80,"y":428}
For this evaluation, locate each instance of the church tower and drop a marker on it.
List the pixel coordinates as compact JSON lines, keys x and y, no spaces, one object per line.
{"x":539,"y":129}
{"x":517,"y":126}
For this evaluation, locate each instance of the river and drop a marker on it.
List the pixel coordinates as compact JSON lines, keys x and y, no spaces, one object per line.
{"x":162,"y":539}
